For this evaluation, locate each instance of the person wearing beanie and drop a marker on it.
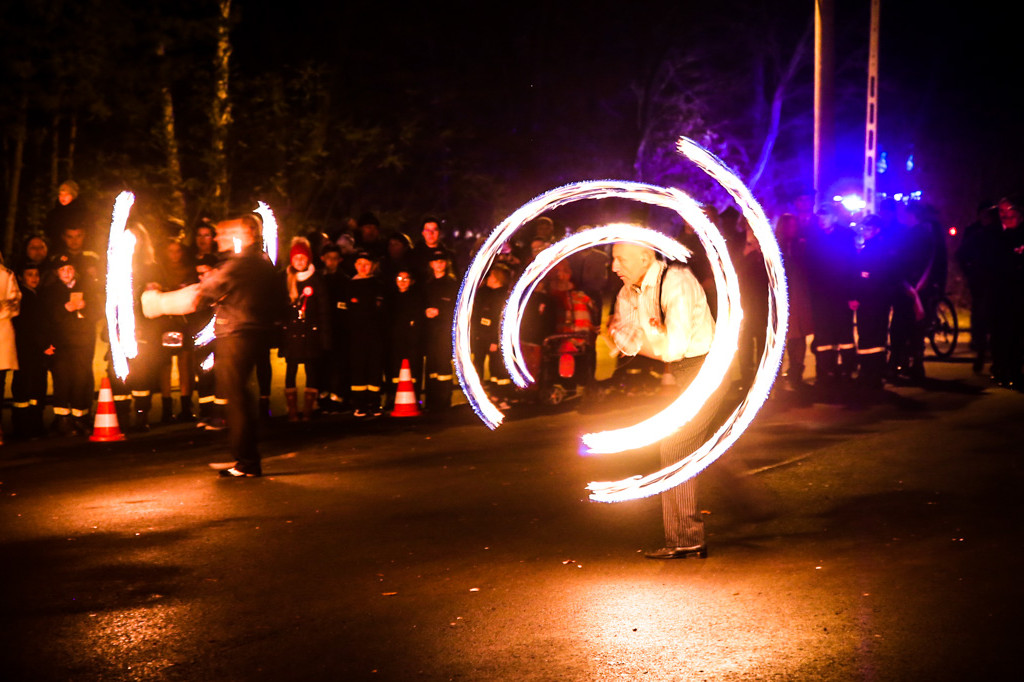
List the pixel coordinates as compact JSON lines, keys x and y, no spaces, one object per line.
{"x":306,"y":337}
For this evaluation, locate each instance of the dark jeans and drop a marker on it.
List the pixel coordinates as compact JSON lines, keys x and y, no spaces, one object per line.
{"x":235,"y":359}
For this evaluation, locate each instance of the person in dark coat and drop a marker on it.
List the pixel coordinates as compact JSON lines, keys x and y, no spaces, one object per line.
{"x":306,"y":334}
{"x":876,"y":285}
{"x":485,"y":329}
{"x":32,"y":338}
{"x":753,"y":280}
{"x":73,"y":308}
{"x":249,"y":304}
{"x":919,"y":271}
{"x":1008,"y":321}
{"x":440,"y":292}
{"x":793,"y":245}
{"x":177,"y":271}
{"x":334,"y":389}
{"x":830,"y":255}
{"x":977,"y":259}
{"x":144,"y":369}
{"x":211,"y":415}
{"x":364,"y":302}
{"x":404,"y":314}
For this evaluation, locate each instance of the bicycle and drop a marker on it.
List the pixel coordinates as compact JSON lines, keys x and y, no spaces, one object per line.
{"x":942,"y":328}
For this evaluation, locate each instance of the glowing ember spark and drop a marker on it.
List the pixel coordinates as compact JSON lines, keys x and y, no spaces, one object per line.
{"x":120,"y":307}
{"x":270,"y":237}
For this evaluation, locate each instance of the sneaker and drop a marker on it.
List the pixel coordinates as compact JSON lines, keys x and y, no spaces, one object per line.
{"x":697,"y":551}
{"x":234,"y":472}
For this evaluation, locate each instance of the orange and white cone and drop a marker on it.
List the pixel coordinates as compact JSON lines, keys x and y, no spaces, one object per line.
{"x":105,"y":427}
{"x":405,"y":396}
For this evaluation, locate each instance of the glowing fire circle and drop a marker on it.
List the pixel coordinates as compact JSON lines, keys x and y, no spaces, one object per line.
{"x":724,"y":344}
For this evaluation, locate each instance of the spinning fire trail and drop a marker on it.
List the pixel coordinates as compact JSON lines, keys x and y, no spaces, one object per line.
{"x":723,"y":347}
{"x":120,"y":310}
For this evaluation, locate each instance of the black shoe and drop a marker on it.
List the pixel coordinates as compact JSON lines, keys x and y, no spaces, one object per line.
{"x":698,"y":551}
{"x":215,"y":424}
{"x":80,"y":426}
{"x":62,"y":425}
{"x":235,"y":472}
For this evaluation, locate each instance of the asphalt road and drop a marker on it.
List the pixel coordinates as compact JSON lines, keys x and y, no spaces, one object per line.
{"x":876,"y":543}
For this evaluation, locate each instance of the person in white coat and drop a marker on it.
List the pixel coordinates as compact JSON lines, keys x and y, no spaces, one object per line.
{"x":10,"y":306}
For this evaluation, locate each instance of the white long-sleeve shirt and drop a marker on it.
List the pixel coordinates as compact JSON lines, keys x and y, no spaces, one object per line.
{"x":688,"y":328}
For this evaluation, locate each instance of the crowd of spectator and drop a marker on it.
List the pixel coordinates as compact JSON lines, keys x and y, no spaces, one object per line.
{"x":363,"y":301}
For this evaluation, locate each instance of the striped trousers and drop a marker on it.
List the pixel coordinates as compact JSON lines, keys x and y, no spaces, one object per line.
{"x":684,"y":526}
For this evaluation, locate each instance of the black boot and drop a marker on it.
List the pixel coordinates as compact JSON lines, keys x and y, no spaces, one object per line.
{"x":20,"y":422}
{"x":81,"y":426}
{"x":35,"y":422}
{"x":62,"y":424}
{"x":167,"y":411}
{"x":123,"y":409}
{"x":264,"y":408}
{"x":143,"y":403}
{"x":186,"y":415}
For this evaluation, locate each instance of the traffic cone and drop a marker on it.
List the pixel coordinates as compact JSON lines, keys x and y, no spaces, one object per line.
{"x":405,"y":396}
{"x":105,"y":427}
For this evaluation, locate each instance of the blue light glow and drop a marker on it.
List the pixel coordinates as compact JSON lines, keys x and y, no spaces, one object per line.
{"x":852,"y":203}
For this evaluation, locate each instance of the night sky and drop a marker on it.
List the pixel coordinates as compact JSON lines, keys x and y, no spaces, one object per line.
{"x":534,"y":95}
{"x":540,"y":75}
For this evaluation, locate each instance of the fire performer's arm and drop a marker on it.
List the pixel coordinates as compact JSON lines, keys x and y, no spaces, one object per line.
{"x":178,"y":302}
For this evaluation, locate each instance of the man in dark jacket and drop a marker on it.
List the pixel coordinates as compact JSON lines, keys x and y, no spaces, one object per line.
{"x":249,"y":303}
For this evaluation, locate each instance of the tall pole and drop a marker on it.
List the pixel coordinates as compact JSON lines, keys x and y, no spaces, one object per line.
{"x":871,"y":119}
{"x":824,"y":112}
